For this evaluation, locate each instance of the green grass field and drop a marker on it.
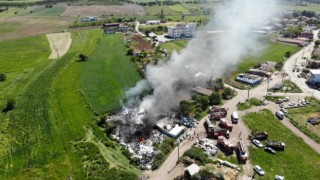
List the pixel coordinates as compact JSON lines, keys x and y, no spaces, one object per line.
{"x":21,"y":60}
{"x":107,"y":74}
{"x":52,"y":134}
{"x":54,"y":11}
{"x":308,"y":7}
{"x":273,"y":52}
{"x":299,"y":116}
{"x":176,"y":45}
{"x":167,"y":10}
{"x":298,"y":159}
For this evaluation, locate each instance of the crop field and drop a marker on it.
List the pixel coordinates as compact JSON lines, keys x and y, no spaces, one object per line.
{"x":52,"y":134}
{"x":176,"y":45}
{"x":96,"y":10}
{"x":22,"y":60}
{"x":23,"y":26}
{"x":308,"y":7}
{"x":297,"y":160}
{"x":167,"y":10}
{"x":273,"y":52}
{"x":107,"y":74}
{"x":299,"y":116}
{"x":42,"y":11}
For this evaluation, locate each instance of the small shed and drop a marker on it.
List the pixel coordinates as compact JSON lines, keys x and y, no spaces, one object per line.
{"x":192,"y":169}
{"x":202,"y":91}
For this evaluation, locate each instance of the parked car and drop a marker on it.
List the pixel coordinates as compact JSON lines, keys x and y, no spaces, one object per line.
{"x":257,"y":143}
{"x":279,"y":101}
{"x":286,"y":99}
{"x":307,"y":101}
{"x":280,"y":115}
{"x":281,"y":105}
{"x":270,"y":150}
{"x":265,"y":102}
{"x":292,"y":104}
{"x":278,"y":177}
{"x":284,"y":111}
{"x":258,"y":170}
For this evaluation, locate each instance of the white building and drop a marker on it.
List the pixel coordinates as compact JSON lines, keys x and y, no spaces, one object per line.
{"x":192,"y":169}
{"x":153,"y":22}
{"x":315,"y":76}
{"x":181,"y":30}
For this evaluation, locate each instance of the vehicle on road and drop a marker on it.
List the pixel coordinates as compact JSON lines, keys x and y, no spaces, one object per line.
{"x":234,"y":117}
{"x":286,"y":99}
{"x":281,"y":105}
{"x":270,"y":150}
{"x":278,"y":177}
{"x":280,"y":115}
{"x":257,"y":143}
{"x":258,"y":170}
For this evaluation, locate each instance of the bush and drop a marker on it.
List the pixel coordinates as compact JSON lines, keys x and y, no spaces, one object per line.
{"x":197,"y":154}
{"x":10,"y":106}
{"x":3,"y":77}
{"x":215,"y":98}
{"x":227,"y":93}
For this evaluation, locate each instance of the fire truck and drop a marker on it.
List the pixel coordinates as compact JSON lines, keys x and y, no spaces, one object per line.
{"x":215,"y":132}
{"x":241,"y":152}
{"x":226,"y":125}
{"x":217,"y":113}
{"x":225,"y":145}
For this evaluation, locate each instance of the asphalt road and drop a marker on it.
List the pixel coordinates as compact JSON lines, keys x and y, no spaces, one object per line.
{"x":169,"y":170}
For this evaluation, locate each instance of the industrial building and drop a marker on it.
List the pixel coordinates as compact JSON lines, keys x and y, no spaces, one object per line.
{"x":182,"y":30}
{"x":314,"y":76}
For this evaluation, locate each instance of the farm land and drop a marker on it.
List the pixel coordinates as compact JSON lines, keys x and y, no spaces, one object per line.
{"x":297,"y":160}
{"x":52,"y":132}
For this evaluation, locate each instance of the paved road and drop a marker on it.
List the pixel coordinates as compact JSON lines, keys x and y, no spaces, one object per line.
{"x":137,"y":29}
{"x":168,"y":170}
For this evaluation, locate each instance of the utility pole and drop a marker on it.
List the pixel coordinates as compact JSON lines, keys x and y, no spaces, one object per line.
{"x":178,"y":151}
{"x":268,"y":86}
{"x":248,"y":93}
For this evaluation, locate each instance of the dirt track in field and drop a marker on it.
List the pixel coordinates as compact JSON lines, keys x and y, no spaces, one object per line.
{"x":59,"y":44}
{"x":95,"y":10}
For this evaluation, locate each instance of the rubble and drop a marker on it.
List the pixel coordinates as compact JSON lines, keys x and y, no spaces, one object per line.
{"x":207,"y":145}
{"x":228,"y":164}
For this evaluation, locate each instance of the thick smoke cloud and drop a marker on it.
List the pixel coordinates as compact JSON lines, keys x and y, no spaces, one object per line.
{"x":215,"y":54}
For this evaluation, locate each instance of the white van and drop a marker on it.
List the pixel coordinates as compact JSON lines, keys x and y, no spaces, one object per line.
{"x":280,"y":114}
{"x":235,"y":117}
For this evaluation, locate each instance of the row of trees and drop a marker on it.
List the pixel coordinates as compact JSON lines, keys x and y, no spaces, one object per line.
{"x":200,"y":104}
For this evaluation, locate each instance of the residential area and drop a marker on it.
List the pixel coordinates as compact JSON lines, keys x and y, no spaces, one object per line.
{"x":181,"y":90}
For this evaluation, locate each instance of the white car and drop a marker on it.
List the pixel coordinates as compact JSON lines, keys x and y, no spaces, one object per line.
{"x":286,"y":99}
{"x":282,"y":105}
{"x":257,"y":143}
{"x":280,"y":115}
{"x":258,"y":170}
{"x":292,"y":104}
{"x":277,"y":177}
{"x":284,"y":111}
{"x":265,"y":102}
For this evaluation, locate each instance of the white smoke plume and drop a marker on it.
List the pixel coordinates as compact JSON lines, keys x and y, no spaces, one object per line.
{"x":173,"y":80}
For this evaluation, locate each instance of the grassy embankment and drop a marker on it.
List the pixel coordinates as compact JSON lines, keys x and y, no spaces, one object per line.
{"x":248,"y":104}
{"x":177,"y":45}
{"x":51,"y":133}
{"x":273,"y":52}
{"x":299,"y":116}
{"x":105,"y":78}
{"x":298,"y":159}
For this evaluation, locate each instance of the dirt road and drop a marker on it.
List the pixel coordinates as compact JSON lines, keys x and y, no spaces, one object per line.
{"x":59,"y":44}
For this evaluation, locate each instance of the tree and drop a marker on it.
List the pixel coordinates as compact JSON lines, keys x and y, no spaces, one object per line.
{"x":3,"y":77}
{"x":227,"y":93}
{"x":147,"y":32}
{"x":83,"y":57}
{"x":204,"y":101}
{"x":279,"y":66}
{"x":186,"y":108}
{"x":287,"y":54}
{"x":317,"y":42}
{"x":10,"y":106}
{"x":130,"y":52}
{"x":215,"y":98}
{"x":161,"y":15}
